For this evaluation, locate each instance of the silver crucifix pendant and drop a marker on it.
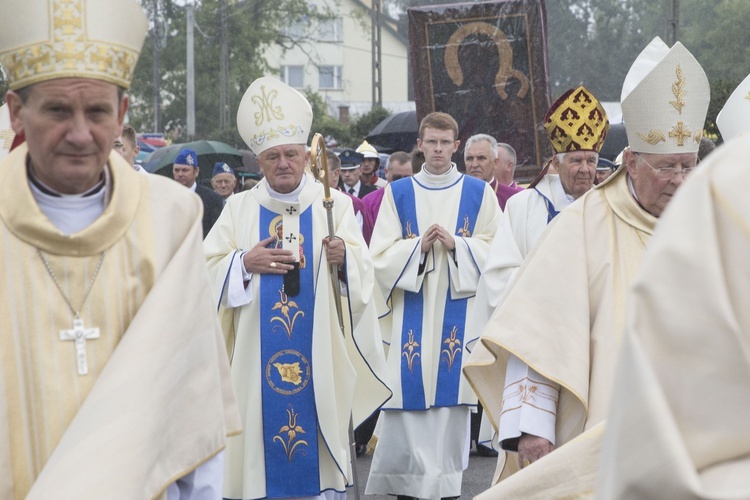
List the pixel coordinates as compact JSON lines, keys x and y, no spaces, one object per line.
{"x":79,"y":334}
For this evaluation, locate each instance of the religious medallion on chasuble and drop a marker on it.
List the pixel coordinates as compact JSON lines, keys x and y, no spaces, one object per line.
{"x":290,"y":424}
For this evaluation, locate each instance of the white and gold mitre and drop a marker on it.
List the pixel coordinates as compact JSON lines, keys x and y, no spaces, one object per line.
{"x":734,"y":118}
{"x":664,"y":100}
{"x":272,"y":113}
{"x":47,"y":39}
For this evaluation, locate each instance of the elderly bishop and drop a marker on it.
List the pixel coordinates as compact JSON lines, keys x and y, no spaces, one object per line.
{"x":546,"y":372}
{"x":298,"y":379}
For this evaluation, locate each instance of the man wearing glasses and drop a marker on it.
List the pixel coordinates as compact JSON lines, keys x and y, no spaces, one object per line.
{"x":553,"y":342}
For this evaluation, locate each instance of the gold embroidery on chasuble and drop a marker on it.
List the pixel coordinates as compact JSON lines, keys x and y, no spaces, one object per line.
{"x":453,"y":347}
{"x":464,"y":231}
{"x":288,"y":317}
{"x":409,"y":234}
{"x":408,"y":351}
{"x":292,"y":367}
{"x":293,"y":443}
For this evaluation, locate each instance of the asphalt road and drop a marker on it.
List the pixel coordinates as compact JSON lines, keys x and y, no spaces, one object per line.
{"x":477,"y":477}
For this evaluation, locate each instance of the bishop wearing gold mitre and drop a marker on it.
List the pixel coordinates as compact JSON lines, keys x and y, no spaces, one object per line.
{"x":114,"y":382}
{"x":546,"y":368}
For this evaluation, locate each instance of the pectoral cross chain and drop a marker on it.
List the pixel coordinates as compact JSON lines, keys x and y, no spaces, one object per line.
{"x":80,"y":334}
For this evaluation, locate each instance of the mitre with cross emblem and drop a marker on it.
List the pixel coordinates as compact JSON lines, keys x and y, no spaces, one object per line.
{"x":665,"y":98}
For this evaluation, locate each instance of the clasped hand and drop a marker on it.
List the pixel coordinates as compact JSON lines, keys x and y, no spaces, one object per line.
{"x":263,"y":260}
{"x":437,"y":233}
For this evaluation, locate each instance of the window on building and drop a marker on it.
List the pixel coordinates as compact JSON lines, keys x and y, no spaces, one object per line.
{"x":294,"y":76}
{"x":331,"y":30}
{"x":329,"y":77}
{"x":296,"y":29}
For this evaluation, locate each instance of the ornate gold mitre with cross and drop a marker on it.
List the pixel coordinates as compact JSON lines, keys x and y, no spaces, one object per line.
{"x":665,"y":98}
{"x":47,"y":39}
{"x":576,"y":121}
{"x":734,"y":118}
{"x":272,"y":113}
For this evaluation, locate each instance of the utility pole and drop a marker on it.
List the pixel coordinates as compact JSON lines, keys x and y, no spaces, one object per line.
{"x":377,"y":76}
{"x":671,"y":21}
{"x":223,"y":67}
{"x":190,"y":74}
{"x":157,"y":69}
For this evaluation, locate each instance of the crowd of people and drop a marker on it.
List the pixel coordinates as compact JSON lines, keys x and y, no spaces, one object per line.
{"x":167,"y":340}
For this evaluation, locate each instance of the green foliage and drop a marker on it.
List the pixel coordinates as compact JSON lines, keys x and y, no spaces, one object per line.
{"x":253,"y":25}
{"x":346,"y":136}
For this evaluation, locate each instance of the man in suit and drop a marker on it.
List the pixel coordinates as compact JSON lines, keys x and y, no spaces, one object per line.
{"x":185,"y":171}
{"x":351,"y":170}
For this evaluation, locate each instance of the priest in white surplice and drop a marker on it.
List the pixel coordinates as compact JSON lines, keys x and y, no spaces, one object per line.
{"x":565,"y":309}
{"x":297,"y":378}
{"x":429,"y":244}
{"x":680,"y":428}
{"x":113,"y":378}
{"x":527,"y":213}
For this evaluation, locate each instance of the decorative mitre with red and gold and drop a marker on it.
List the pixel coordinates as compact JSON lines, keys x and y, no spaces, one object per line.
{"x":47,"y":39}
{"x":576,"y":122}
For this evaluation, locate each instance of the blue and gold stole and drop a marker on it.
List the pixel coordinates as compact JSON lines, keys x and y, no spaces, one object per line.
{"x":454,"y":317}
{"x":290,"y":424}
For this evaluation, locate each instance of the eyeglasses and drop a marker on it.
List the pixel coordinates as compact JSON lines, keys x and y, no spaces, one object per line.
{"x":667,"y":173}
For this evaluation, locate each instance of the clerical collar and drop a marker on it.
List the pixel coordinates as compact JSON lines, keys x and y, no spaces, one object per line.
{"x":42,"y":187}
{"x":287,"y":197}
{"x":70,"y":213}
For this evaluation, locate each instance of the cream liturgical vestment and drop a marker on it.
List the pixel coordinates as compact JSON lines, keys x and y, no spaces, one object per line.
{"x":524,"y":220}
{"x":679,"y":428}
{"x":156,"y":402}
{"x":430,"y":296}
{"x":297,"y":378}
{"x":563,"y":317}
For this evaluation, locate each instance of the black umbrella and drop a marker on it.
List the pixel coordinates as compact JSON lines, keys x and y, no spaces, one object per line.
{"x":209,"y":153}
{"x":396,"y":133}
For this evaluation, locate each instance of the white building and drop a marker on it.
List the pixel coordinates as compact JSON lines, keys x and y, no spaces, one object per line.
{"x":335,"y":60}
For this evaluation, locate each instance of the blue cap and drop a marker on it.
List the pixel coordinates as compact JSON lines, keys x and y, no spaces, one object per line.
{"x":187,"y":157}
{"x":222,"y":168}
{"x":350,"y":159}
{"x":605,"y":164}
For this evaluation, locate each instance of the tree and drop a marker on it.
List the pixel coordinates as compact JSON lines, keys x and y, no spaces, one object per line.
{"x":253,"y":25}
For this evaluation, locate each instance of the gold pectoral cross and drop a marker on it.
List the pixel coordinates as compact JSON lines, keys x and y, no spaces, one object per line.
{"x":80,"y":335}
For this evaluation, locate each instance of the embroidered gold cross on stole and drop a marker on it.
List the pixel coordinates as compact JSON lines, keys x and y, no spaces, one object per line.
{"x":80,"y":334}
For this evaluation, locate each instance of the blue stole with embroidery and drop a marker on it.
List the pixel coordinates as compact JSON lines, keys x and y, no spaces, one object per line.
{"x":290,"y":424}
{"x":454,"y":317}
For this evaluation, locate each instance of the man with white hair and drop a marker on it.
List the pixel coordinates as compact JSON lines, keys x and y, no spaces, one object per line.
{"x":298,"y":379}
{"x":546,"y":369}
{"x":527,"y":214}
{"x":482,"y":160}
{"x":692,"y":439}
{"x":113,"y":378}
